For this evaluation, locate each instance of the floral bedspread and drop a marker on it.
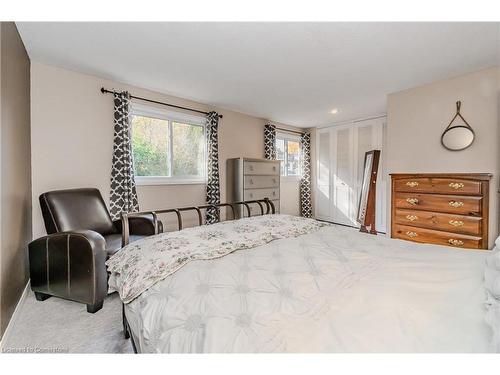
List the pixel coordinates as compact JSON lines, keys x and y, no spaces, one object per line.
{"x":141,"y":264}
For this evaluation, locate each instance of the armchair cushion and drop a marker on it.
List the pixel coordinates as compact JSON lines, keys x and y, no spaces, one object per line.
{"x":114,"y":242}
{"x":140,"y":225}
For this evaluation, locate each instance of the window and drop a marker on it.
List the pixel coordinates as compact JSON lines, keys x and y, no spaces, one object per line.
{"x":167,"y":147}
{"x":288,"y":151}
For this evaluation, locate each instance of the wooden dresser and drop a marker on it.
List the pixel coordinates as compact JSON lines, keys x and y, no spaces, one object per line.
{"x":443,"y":209}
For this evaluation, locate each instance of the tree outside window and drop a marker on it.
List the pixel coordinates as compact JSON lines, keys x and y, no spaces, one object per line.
{"x":288,"y":151}
{"x":166,"y":149}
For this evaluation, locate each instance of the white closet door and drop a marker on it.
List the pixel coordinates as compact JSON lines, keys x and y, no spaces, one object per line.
{"x":381,"y":195}
{"x":343,"y":207}
{"x":323,"y":189}
{"x":341,"y":153}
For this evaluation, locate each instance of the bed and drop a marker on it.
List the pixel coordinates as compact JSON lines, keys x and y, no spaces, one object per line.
{"x":279,"y":283}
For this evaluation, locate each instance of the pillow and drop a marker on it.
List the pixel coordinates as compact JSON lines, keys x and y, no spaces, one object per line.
{"x":493,"y":258}
{"x":492,"y":318}
{"x":492,"y":285}
{"x":492,"y":282}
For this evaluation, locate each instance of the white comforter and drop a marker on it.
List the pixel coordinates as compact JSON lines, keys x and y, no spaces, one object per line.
{"x":333,"y":290}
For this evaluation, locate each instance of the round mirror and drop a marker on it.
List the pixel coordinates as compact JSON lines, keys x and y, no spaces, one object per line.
{"x":457,"y":138}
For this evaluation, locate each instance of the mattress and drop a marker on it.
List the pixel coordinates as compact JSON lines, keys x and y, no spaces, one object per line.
{"x":331,"y":290}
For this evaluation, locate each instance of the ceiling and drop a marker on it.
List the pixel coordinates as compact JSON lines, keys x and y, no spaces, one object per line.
{"x":294,"y":73}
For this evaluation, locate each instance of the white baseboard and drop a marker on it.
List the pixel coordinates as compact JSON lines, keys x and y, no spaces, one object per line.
{"x":14,"y":316}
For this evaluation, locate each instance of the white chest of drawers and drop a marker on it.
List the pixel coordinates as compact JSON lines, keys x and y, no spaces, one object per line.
{"x":250,"y":179}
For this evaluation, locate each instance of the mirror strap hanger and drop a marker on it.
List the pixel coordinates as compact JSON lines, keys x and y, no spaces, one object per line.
{"x":458,"y":114}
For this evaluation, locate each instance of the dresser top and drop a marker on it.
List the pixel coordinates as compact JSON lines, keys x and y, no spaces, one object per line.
{"x":471,"y":176}
{"x":255,"y":160}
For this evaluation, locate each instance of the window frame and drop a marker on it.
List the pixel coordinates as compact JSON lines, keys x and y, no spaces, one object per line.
{"x":294,"y":138}
{"x":139,"y":109}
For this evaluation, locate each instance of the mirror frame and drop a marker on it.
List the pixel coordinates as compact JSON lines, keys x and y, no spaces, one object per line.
{"x":366,"y":207}
{"x":454,"y":127}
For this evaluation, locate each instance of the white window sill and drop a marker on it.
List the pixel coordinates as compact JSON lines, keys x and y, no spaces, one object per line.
{"x":154,"y":181}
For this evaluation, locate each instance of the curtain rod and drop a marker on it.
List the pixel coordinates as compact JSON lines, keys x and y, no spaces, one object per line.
{"x":290,"y":131}
{"x":104,"y":91}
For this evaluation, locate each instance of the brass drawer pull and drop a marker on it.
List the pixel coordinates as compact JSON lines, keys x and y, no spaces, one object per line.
{"x":411,"y":234}
{"x":456,"y":223}
{"x":453,"y":242}
{"x":456,"y":204}
{"x":456,"y":185}
{"x":412,"y":184}
{"x":411,"y":217}
{"x":412,"y":201}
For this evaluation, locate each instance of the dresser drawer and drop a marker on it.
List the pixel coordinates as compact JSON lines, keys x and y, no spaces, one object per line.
{"x":420,"y":184}
{"x":253,"y":194}
{"x":262,"y":168}
{"x":436,"y":237}
{"x":439,"y":221}
{"x":438,"y":185}
{"x":454,"y":204}
{"x":256,"y":182}
{"x":456,"y":186}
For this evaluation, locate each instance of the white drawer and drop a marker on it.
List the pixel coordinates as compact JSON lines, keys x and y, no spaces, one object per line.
{"x":264,"y":168}
{"x":257,"y":182}
{"x":253,"y":194}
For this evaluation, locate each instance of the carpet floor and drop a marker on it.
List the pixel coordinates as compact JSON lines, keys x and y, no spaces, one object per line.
{"x":58,"y":325}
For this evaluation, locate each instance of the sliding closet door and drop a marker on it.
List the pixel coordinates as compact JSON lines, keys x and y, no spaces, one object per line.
{"x":343,"y":200}
{"x":341,"y":153}
{"x":323,"y":186}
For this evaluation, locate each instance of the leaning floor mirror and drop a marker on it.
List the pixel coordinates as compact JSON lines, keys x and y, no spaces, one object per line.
{"x":366,"y":205}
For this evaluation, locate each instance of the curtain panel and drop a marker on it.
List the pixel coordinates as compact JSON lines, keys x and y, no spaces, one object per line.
{"x":123,"y":194}
{"x":213,"y":183}
{"x":305,"y":180}
{"x":270,"y":142}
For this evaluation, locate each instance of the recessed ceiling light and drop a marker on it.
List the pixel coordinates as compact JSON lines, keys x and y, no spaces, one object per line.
{"x":334,"y":111}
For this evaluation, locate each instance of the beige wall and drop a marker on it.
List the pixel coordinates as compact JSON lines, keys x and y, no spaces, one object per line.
{"x":417,"y":117}
{"x":15,"y":205}
{"x":72,"y":136}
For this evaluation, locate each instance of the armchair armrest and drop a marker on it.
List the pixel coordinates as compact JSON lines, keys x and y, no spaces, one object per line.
{"x":140,"y":225}
{"x":70,"y":265}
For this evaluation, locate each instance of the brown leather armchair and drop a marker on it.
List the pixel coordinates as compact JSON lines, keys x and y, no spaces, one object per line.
{"x":70,"y":261}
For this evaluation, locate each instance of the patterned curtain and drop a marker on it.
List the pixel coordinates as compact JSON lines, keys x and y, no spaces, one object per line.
{"x":123,"y":195}
{"x":270,"y":142}
{"x":213,"y":185}
{"x":305,"y":180}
